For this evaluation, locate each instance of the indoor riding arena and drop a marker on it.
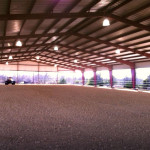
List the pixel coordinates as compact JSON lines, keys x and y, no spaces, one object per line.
{"x":74,"y":75}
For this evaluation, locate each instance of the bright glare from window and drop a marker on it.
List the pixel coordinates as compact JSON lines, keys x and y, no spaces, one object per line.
{"x":88,"y":74}
{"x":142,"y":73}
{"x":78,"y":73}
{"x":122,"y":73}
{"x":103,"y":74}
{"x":66,"y":74}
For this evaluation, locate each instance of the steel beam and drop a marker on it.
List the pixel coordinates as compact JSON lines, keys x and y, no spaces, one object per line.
{"x":111,"y":78}
{"x":114,"y":45}
{"x":83,"y":78}
{"x":31,"y":36}
{"x":133,"y":73}
{"x":51,"y":16}
{"x":95,"y":77}
{"x":72,"y":15}
{"x":129,"y":22}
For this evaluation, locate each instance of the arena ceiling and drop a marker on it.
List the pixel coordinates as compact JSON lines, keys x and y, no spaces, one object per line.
{"x":75,"y":27}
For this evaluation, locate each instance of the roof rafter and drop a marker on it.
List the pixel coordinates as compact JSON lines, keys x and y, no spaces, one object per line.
{"x":55,"y":22}
{"x":49,"y":9}
{"x":68,"y":56}
{"x":24,"y":21}
{"x":37,"y":45}
{"x":63,"y":65}
{"x":97,"y":63}
{"x":98,"y":55}
{"x":129,"y":22}
{"x":50,"y":16}
{"x":31,"y":36}
{"x":30,"y":58}
{"x":87,"y":8}
{"x":111,"y":44}
{"x":68,"y":61}
{"x":82,"y":24}
{"x":5,"y":27}
{"x":78,"y":32}
{"x":72,"y":15}
{"x":73,"y":57}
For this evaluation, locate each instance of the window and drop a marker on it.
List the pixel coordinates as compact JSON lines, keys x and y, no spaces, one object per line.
{"x":122,"y":78}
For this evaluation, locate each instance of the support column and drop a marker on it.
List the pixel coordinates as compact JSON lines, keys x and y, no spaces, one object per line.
{"x":17,"y":70}
{"x":133,"y":77}
{"x":33,"y":77}
{"x":111,"y":78}
{"x":38,"y":72}
{"x":95,"y":77}
{"x":57,"y":76}
{"x":83,"y":79}
{"x":74,"y":72}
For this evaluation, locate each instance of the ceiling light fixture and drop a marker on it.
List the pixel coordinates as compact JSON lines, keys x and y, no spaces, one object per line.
{"x":118,"y":51}
{"x":10,"y":57}
{"x":19,"y":43}
{"x":75,"y":61}
{"x":37,"y":57}
{"x":56,"y":48}
{"x":106,"y":22}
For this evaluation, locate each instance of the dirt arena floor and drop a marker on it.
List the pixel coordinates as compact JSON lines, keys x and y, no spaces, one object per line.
{"x":61,"y":117}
